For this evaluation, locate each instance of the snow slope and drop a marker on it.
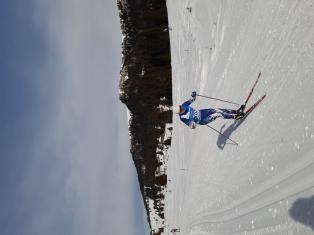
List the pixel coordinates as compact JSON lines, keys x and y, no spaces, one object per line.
{"x":266,"y":184}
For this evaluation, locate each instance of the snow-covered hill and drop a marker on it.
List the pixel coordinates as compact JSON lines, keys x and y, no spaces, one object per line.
{"x":266,"y":184}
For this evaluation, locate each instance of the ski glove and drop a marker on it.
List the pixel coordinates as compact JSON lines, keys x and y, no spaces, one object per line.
{"x":193,"y":94}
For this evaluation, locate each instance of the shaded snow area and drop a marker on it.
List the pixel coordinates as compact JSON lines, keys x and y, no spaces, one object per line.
{"x":266,"y":184}
{"x":157,"y":222}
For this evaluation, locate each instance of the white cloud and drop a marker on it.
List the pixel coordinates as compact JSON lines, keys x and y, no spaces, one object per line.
{"x":86,"y":139}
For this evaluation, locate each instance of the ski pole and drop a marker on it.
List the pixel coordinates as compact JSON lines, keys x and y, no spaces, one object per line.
{"x":222,"y":134}
{"x":226,"y":101}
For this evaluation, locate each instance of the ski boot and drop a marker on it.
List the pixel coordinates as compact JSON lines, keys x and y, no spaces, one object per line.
{"x":241,"y":109}
{"x":240,"y":113}
{"x":239,"y":116}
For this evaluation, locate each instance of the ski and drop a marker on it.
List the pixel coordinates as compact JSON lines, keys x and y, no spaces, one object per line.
{"x":250,"y":109}
{"x":251,"y":92}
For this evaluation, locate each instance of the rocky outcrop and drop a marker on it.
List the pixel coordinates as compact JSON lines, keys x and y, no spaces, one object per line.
{"x":146,"y":90}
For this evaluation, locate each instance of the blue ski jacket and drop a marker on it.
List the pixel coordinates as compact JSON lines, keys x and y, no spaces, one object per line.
{"x":192,"y":116}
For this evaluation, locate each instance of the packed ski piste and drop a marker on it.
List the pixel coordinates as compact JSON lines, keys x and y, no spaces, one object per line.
{"x":262,"y":183}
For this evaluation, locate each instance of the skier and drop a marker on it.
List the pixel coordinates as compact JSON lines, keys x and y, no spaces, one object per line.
{"x":192,"y":117}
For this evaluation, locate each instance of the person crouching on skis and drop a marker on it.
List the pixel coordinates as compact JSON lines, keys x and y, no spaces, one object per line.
{"x":192,"y":117}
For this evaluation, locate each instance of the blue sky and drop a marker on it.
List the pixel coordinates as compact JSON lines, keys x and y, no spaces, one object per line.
{"x":65,"y":164}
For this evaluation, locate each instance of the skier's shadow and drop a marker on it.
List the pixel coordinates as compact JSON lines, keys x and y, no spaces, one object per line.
{"x":302,"y":211}
{"x":222,"y":140}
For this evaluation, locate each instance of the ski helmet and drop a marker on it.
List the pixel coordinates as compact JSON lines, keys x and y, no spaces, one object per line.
{"x":176,"y":109}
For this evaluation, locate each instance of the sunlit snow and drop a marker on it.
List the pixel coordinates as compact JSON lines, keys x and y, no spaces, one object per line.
{"x":266,"y":184}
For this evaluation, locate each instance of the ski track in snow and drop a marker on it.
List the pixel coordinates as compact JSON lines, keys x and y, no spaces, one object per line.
{"x":218,"y":49}
{"x":281,"y":187}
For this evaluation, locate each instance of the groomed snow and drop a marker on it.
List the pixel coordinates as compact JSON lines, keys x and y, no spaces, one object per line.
{"x":266,"y":184}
